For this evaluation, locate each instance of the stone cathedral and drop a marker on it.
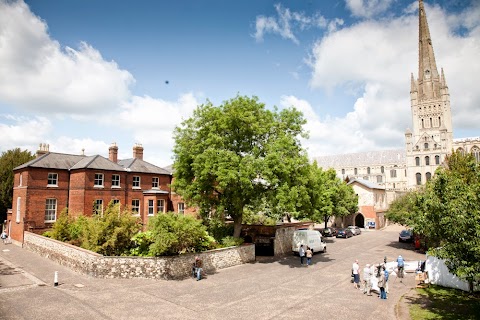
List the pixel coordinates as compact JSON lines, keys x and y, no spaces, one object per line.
{"x":426,"y":144}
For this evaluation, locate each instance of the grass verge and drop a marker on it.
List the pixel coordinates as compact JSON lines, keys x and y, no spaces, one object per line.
{"x":435,"y":302}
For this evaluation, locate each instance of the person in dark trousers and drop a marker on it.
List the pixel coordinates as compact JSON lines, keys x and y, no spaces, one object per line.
{"x":309,"y":255}
{"x":400,"y":266}
{"x":301,"y":253}
{"x":197,"y":268}
{"x":381,"y":282}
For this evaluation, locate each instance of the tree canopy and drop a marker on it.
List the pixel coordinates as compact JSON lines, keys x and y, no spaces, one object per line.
{"x":447,"y":212}
{"x":241,"y":157}
{"x":8,"y":161}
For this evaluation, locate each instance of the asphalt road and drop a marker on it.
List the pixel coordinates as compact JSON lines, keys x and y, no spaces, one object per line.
{"x":270,"y":288}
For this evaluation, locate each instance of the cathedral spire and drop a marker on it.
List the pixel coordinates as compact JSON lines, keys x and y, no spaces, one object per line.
{"x":428,"y":78}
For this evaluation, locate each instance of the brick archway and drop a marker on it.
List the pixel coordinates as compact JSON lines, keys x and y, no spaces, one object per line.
{"x":360,"y":220}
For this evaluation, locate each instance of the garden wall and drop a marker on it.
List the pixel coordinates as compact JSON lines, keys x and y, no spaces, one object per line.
{"x":177,"y":267}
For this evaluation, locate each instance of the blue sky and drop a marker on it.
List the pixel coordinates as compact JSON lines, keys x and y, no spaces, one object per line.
{"x":82,"y":74}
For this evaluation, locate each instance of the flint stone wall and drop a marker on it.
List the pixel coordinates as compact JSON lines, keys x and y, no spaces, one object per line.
{"x":177,"y":267}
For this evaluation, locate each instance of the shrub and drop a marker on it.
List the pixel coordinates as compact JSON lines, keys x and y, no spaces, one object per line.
{"x":231,"y":241}
{"x":176,"y":234}
{"x":60,"y":229}
{"x":142,"y":241}
{"x":110,"y":234}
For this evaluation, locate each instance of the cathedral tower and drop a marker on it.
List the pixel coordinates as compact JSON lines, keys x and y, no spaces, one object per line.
{"x":431,"y":137}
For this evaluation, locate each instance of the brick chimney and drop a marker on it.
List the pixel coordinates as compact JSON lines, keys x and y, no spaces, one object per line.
{"x":113,"y":152}
{"x":42,"y":149}
{"x":138,"y":151}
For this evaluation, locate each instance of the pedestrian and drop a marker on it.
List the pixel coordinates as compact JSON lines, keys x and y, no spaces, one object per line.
{"x":385,"y":270}
{"x":4,"y":237}
{"x":198,"y":268}
{"x":301,"y":253}
{"x":367,"y":280}
{"x":381,"y":282}
{"x":309,"y":255}
{"x":356,"y":275}
{"x":400,"y":267}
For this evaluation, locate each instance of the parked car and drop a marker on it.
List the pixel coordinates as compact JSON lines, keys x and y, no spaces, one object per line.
{"x":405,"y":236}
{"x":309,"y":238}
{"x":344,"y":233}
{"x":328,"y":232}
{"x":355,"y":230}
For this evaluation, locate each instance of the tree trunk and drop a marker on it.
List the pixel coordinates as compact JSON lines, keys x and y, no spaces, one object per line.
{"x":237,"y":225}
{"x":326,"y":220}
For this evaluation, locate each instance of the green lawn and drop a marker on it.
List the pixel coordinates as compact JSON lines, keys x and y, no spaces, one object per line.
{"x":437,"y":302}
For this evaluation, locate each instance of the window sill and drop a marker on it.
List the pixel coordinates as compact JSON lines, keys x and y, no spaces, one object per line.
{"x":52,"y":185}
{"x":98,"y":187}
{"x":136,"y":188}
{"x":116,"y":187}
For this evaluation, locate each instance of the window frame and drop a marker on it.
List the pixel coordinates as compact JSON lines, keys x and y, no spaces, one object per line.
{"x":50,"y":205}
{"x":51,"y":179}
{"x":136,"y":180}
{"x":98,"y":180}
{"x":151,"y":207}
{"x":182,"y":206}
{"x":155,"y":182}
{"x":161,"y":208}
{"x":135,"y":207}
{"x":98,"y":204}
{"x":115,"y":182}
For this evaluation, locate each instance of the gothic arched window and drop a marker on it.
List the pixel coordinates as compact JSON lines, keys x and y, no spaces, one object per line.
{"x":382,"y":169}
{"x":355,"y":171}
{"x":419,"y":178}
{"x":417,"y":161}
{"x":368,"y":170}
{"x":427,"y":160}
{"x":476,"y":153}
{"x":437,"y":159}
{"x":343,"y":171}
{"x":428,"y":175}
{"x":461,"y":151}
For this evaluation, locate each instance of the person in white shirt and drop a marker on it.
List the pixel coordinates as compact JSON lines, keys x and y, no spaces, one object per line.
{"x":356,"y":275}
{"x":367,"y":279}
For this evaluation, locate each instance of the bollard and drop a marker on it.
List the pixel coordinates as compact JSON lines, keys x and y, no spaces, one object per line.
{"x":55,"y":279}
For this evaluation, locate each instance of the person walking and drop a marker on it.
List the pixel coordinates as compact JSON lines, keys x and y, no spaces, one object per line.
{"x":301,"y":253}
{"x":400,"y":267}
{"x":367,"y":280}
{"x":309,"y":254}
{"x":381,"y":282}
{"x":386,"y":280}
{"x":4,"y":237}
{"x":356,"y":275}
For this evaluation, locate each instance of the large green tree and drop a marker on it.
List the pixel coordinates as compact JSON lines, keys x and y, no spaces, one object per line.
{"x":326,"y":196}
{"x":235,"y":156}
{"x":447,"y":212}
{"x":8,"y":161}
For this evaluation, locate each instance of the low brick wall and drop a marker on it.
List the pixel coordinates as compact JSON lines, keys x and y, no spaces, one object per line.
{"x":177,"y":267}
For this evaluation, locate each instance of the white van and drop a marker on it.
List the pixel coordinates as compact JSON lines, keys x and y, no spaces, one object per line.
{"x":309,"y":238}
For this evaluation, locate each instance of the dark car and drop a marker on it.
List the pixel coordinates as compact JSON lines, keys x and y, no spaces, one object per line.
{"x":344,"y":233}
{"x":405,"y":236}
{"x":328,"y":232}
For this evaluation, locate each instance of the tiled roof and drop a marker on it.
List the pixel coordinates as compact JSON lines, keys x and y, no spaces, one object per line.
{"x":72,"y":162}
{"x":382,"y":157}
{"x":53,"y":160}
{"x":366,"y":183}
{"x":97,"y":162}
{"x":137,"y":165}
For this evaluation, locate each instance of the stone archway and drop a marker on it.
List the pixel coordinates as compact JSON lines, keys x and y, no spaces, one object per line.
{"x":360,"y":220}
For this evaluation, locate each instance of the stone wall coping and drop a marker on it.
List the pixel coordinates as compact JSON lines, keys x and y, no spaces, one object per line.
{"x":71,"y":246}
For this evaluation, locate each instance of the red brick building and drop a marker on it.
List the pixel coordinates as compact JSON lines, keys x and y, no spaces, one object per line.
{"x":84,"y":184}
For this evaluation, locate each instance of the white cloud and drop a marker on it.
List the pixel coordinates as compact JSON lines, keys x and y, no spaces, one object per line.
{"x":22,"y":132}
{"x":38,"y":75}
{"x":286,"y":23}
{"x":368,"y":8}
{"x":373,"y":60}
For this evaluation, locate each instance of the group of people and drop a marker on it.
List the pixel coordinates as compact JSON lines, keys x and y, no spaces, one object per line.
{"x":380,"y":272}
{"x":308,"y":253}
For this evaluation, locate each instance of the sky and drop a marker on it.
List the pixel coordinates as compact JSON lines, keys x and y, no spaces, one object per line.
{"x":82,"y":74}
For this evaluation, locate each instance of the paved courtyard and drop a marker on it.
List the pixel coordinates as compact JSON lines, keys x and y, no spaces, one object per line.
{"x":267,"y":289}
